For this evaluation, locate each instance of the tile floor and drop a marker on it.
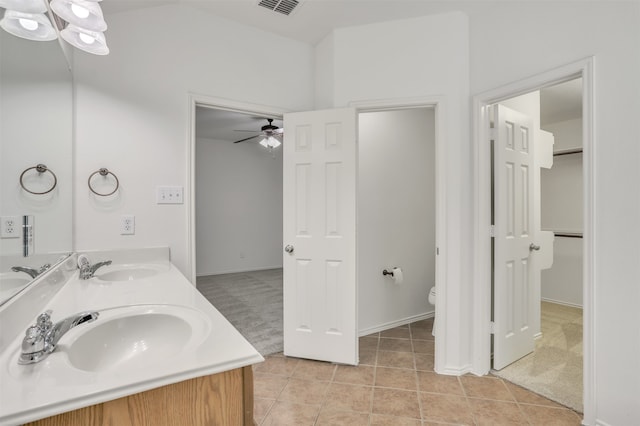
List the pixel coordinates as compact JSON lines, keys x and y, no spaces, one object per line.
{"x":393,"y":385}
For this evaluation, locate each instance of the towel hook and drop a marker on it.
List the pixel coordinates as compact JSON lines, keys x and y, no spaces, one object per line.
{"x":103,"y":172}
{"x":40,"y":168}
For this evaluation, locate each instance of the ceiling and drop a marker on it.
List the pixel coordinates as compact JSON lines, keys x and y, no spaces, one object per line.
{"x":561,"y":102}
{"x":311,"y":20}
{"x":223,"y":125}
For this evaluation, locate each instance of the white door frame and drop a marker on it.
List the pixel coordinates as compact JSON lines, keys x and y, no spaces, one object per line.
{"x":438,"y":103}
{"x":481,"y":346}
{"x":196,"y":100}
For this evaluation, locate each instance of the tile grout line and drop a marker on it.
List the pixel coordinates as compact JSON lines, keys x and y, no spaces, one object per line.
{"x":326,"y":393}
{"x":466,"y":399}
{"x":375,"y":376}
{"x":524,"y":415}
{"x":415,"y":374}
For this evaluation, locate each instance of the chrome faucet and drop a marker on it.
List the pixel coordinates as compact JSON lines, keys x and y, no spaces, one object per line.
{"x":31,"y":271}
{"x":42,"y":338}
{"x":87,"y":269}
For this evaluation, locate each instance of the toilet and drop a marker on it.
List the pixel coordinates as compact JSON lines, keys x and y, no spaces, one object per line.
{"x":432,"y":300}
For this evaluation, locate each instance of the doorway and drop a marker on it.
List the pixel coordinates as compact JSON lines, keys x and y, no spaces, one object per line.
{"x":482,"y":188}
{"x":238,"y":212}
{"x":201,"y":101}
{"x":552,"y":366}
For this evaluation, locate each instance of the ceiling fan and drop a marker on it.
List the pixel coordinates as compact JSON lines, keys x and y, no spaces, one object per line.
{"x":271,"y":135}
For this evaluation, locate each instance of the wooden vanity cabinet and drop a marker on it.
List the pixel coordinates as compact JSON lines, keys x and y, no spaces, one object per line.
{"x":223,"y":399}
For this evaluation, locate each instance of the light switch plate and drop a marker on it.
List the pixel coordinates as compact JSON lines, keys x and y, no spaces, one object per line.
{"x":169,"y":195}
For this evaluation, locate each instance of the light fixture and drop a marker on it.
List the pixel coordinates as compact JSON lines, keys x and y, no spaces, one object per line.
{"x":26,"y":6}
{"x":82,"y":13}
{"x":270,"y":142}
{"x":32,"y":26}
{"x":89,"y":41}
{"x":79,"y":22}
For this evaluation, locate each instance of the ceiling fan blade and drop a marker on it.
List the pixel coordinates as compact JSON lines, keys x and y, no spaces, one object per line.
{"x":246,"y":139}
{"x":238,"y":130}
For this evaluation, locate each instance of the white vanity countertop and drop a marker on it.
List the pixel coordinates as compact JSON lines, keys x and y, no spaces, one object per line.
{"x":54,"y":385}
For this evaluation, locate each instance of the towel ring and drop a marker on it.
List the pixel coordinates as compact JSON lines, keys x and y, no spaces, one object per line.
{"x":40,"y":168}
{"x":103,"y":172}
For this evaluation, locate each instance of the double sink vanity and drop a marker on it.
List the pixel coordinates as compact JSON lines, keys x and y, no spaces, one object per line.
{"x":132,"y":343}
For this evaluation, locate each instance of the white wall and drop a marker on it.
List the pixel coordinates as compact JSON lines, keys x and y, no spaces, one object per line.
{"x":517,"y":40}
{"x":415,"y":58}
{"x":324,"y":73}
{"x":132,"y":112}
{"x":36,"y":114}
{"x":562,"y":283}
{"x":569,"y":134}
{"x":562,"y":212}
{"x":396,"y":214}
{"x":562,"y":186}
{"x":238,"y":207}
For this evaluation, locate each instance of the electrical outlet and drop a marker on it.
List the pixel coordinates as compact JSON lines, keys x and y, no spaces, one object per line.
{"x":10,"y":227}
{"x":127,"y":224}
{"x":169,"y":195}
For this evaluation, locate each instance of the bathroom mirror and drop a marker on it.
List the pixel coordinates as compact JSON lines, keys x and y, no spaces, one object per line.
{"x":35,"y":128}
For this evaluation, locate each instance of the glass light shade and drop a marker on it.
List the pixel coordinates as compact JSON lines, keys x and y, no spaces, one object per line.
{"x":26,"y":6}
{"x":89,"y":41}
{"x":82,"y":13}
{"x":32,"y":26}
{"x":270,"y":142}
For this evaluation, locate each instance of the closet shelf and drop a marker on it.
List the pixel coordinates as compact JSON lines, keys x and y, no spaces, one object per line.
{"x":568,"y":152}
{"x":568,"y":234}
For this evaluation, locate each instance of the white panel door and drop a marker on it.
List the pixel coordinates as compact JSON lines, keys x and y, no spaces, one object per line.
{"x":514,"y":287}
{"x":319,"y":212}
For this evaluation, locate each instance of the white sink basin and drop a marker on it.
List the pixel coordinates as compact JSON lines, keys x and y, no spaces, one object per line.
{"x":11,"y":283}
{"x":12,"y":280}
{"x":128,"y":272}
{"x":135,"y":336}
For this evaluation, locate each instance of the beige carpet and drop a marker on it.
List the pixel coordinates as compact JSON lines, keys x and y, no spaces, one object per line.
{"x":252,"y":302}
{"x":554,"y":369}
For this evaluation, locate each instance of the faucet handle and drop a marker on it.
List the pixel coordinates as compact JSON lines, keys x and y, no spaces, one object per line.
{"x":83,"y":261}
{"x":33,"y":341}
{"x":44,"y":322}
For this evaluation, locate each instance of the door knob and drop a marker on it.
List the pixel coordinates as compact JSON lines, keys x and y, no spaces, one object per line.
{"x":533,"y":247}
{"x":288,"y":248}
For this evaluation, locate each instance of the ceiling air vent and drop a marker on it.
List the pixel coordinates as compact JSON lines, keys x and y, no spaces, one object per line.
{"x":281,"y":6}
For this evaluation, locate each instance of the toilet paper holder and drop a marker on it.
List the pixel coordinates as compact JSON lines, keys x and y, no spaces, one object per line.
{"x":388,"y":272}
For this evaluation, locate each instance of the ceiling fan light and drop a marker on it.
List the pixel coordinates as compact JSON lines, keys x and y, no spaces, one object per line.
{"x":90,"y":41}
{"x":83,"y":13}
{"x":30,"y":26}
{"x":270,"y":142}
{"x":26,"y":6}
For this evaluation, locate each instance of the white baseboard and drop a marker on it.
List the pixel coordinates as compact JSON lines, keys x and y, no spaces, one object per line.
{"x":456,"y":371}
{"x":559,"y":302}
{"x":394,"y":324}
{"x":236,"y":271}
